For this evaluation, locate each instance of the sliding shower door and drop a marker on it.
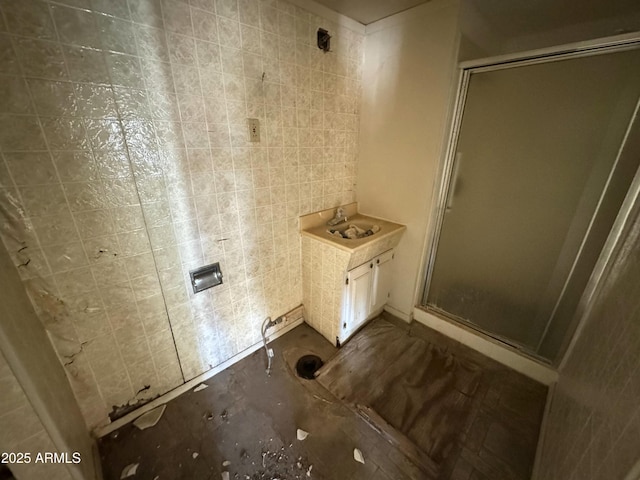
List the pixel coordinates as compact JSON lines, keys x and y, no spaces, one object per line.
{"x":536,"y":174}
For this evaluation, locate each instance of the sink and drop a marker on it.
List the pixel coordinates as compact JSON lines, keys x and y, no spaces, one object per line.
{"x":386,"y":235}
{"x":354,"y":230}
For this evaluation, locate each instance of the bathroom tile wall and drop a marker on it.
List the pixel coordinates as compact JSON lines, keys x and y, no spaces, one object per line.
{"x":593,"y":428}
{"x":22,"y":431}
{"x":323,"y":275}
{"x":126,"y":163}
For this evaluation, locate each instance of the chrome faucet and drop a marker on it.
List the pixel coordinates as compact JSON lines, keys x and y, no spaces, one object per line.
{"x":339,"y":217}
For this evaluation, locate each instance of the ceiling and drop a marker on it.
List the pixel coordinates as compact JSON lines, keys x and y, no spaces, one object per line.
{"x":509,"y":18}
{"x":516,"y":18}
{"x":369,"y":11}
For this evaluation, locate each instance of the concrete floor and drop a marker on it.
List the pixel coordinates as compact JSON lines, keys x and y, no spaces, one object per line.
{"x":250,"y":420}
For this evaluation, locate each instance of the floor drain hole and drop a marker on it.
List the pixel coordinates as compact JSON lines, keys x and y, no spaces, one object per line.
{"x":308,"y":365}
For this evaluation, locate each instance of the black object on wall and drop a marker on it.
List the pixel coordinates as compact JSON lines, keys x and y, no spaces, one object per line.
{"x":324,"y":40}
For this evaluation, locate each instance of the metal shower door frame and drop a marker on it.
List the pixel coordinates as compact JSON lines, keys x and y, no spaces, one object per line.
{"x":447,"y":165}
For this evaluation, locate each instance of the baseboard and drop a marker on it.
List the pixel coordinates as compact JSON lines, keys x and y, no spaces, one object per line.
{"x":194,"y":382}
{"x":535,"y":475}
{"x":397,"y":313}
{"x":491,"y":348}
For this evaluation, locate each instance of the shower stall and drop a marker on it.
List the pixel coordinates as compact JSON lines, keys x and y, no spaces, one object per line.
{"x":543,"y":150}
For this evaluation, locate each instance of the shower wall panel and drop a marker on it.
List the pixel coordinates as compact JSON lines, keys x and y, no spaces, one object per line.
{"x":593,"y":425}
{"x":126,"y":163}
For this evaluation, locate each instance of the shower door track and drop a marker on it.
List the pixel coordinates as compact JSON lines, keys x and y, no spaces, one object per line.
{"x":445,"y":172}
{"x":504,"y":341}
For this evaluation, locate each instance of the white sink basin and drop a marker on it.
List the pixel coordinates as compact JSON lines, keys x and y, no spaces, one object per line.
{"x":315,"y":226}
{"x":354,"y":230}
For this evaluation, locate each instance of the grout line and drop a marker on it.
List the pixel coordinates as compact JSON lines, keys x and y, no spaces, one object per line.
{"x":132,"y":392}
{"x":144,"y":216}
{"x":185,"y":200}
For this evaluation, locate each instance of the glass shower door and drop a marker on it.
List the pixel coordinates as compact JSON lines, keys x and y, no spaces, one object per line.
{"x":537,"y":145}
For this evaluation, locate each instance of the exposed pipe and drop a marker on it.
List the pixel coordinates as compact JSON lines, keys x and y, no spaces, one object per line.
{"x":266,"y":325}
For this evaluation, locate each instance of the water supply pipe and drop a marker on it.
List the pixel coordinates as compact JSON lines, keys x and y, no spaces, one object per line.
{"x":266,"y":325}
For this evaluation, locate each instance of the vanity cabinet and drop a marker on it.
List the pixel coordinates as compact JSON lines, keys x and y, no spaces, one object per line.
{"x":345,"y":282}
{"x":366,"y":291}
{"x":381,"y":280}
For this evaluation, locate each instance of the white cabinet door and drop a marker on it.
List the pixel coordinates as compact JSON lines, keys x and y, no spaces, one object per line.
{"x":358,"y":298}
{"x":381,"y":280}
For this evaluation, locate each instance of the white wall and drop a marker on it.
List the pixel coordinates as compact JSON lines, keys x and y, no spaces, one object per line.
{"x":408,"y":78}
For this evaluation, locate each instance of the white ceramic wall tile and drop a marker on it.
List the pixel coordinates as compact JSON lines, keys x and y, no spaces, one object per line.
{"x":126,"y":162}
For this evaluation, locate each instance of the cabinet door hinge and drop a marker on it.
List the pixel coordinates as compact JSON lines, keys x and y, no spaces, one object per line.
{"x":347,"y":282}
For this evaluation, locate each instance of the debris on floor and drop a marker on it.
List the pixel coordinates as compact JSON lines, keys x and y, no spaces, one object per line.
{"x":357,"y":456}
{"x":195,"y":455}
{"x":225,"y":475}
{"x":243,"y":416}
{"x":202,"y":386}
{"x":318,"y":397}
{"x":301,"y":434}
{"x":129,"y":470}
{"x":279,"y":463}
{"x":149,"y":419}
